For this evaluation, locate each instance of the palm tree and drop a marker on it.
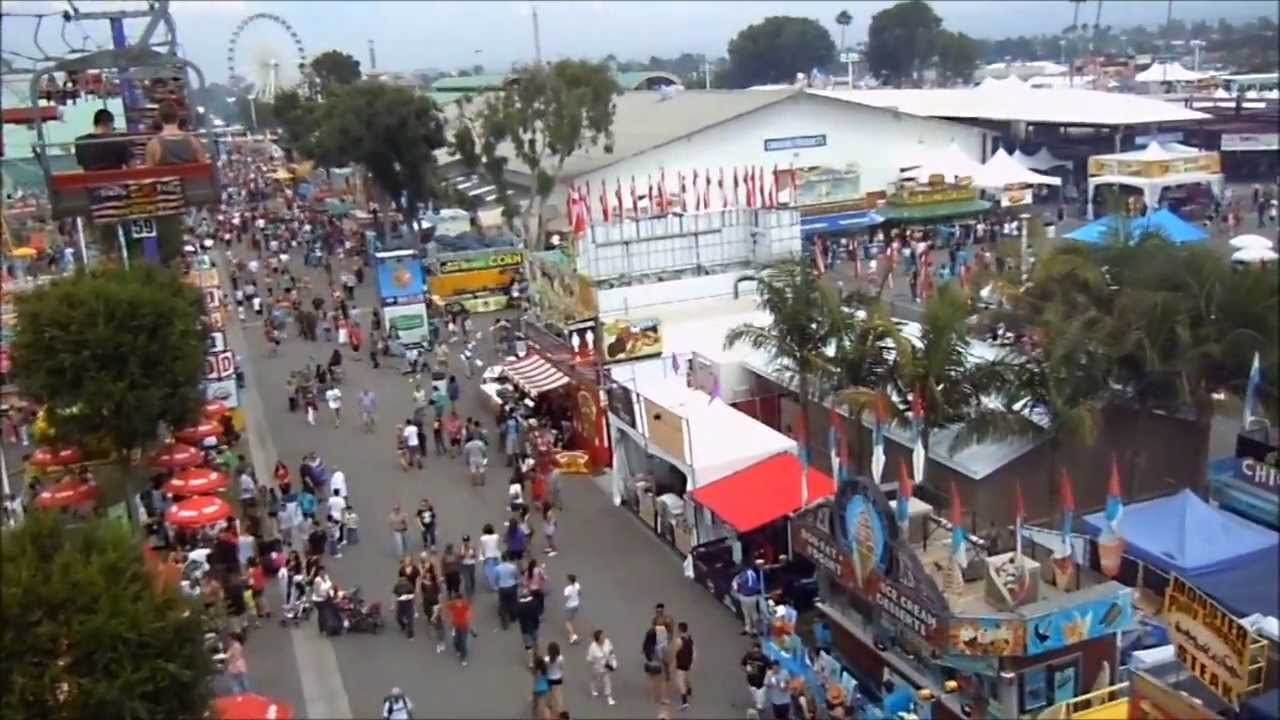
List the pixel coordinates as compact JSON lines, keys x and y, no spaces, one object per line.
{"x":860,"y":365}
{"x":954,"y":385}
{"x":804,"y":314}
{"x":844,"y":20}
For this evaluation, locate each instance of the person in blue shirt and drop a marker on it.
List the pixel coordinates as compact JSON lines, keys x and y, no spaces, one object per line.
{"x":307,"y":504}
{"x":748,"y":584}
{"x":897,"y":699}
{"x":777,"y":691}
{"x":507,"y":578}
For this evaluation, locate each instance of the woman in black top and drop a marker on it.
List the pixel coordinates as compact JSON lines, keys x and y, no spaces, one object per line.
{"x":429,"y":588}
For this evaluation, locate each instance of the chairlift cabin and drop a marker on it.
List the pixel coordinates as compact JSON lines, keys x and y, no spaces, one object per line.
{"x":145,"y":191}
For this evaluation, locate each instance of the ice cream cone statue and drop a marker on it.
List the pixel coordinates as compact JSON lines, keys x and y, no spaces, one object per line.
{"x":864,"y":549}
{"x":1110,"y":543}
{"x":959,"y":545}
{"x":1063,"y":562}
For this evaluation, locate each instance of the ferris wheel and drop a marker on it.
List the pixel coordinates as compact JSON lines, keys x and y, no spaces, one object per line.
{"x":266,"y":51}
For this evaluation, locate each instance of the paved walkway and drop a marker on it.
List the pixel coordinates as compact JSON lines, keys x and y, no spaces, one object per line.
{"x":623,"y":568}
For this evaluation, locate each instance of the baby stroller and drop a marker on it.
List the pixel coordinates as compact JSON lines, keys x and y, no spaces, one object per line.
{"x":298,"y":610}
{"x":358,"y":616}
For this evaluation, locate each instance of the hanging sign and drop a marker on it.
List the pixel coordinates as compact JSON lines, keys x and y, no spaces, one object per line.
{"x":132,"y":199}
{"x":1209,"y":641}
{"x":1260,"y":475}
{"x":797,"y":142}
{"x":143,"y":228}
{"x":219,"y":365}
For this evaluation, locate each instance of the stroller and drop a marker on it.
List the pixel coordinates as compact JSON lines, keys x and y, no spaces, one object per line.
{"x":358,"y":616}
{"x":299,"y":609}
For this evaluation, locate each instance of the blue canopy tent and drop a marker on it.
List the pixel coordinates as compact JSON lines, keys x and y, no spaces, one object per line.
{"x":1233,"y":560}
{"x":1162,"y":221}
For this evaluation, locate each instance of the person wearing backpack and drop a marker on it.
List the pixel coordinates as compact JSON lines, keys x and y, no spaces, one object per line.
{"x":396,"y":706}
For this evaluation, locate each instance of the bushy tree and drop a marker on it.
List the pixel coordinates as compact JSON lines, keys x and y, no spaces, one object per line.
{"x":902,"y":41}
{"x":957,"y":57}
{"x":334,"y":68}
{"x":112,"y":353}
{"x":775,"y":49}
{"x":88,"y":633}
{"x":540,"y":119}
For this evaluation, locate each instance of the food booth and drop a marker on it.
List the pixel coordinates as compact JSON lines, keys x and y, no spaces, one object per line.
{"x":479,"y":280}
{"x":402,"y":296}
{"x":1185,"y":179}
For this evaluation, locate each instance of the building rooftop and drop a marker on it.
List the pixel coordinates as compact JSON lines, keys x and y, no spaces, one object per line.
{"x":1048,"y":106}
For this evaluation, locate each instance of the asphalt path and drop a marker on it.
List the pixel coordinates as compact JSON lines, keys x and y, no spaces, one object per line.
{"x":623,"y":568}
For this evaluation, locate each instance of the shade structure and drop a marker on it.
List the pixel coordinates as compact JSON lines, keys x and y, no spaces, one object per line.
{"x":176,"y":455}
{"x":1042,"y":160}
{"x":214,"y":409}
{"x":1254,"y":255}
{"x":1167,"y":72}
{"x":1162,"y":222}
{"x":198,"y":511}
{"x":950,"y":162}
{"x":196,"y":481}
{"x":838,"y":222}
{"x":251,"y":707}
{"x":533,"y":374}
{"x":1002,"y":170}
{"x":199,"y":431}
{"x":761,"y":493}
{"x":933,"y":211}
{"x":1245,"y":241}
{"x":71,"y":491}
{"x":47,"y":456}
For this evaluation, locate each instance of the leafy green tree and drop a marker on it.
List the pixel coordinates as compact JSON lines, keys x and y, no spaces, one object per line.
{"x":902,"y":41}
{"x":87,"y":634}
{"x":334,"y":68}
{"x":390,"y":130}
{"x":957,"y":57}
{"x":112,"y":353}
{"x":859,"y":368}
{"x":540,"y":120}
{"x":776,"y":49}
{"x":805,"y":316}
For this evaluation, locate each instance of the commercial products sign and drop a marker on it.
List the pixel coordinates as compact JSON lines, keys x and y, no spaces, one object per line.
{"x":631,"y":339}
{"x":487,"y":261}
{"x":1260,"y":475}
{"x":1209,"y":641}
{"x":1252,"y":141}
{"x":797,"y":142}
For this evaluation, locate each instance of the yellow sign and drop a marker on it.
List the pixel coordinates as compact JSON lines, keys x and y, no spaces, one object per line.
{"x":924,"y":195}
{"x":1151,"y":700}
{"x":631,"y":339}
{"x":1209,"y":163}
{"x":1209,"y":641}
{"x":489,"y":261}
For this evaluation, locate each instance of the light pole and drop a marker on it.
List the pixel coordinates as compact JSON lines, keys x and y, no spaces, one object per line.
{"x":1195,"y":47}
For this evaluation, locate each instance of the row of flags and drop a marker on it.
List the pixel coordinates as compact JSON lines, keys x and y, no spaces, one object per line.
{"x":739,"y":187}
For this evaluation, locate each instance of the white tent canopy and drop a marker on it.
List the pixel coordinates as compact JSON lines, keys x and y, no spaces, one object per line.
{"x":951,"y":162}
{"x":1012,"y":82}
{"x":1168,"y":72}
{"x":1041,"y":161}
{"x":1254,"y":254}
{"x":1250,"y":240}
{"x":1002,"y":170}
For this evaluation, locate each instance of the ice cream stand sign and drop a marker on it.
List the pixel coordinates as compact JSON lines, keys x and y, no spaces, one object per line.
{"x":1209,"y":641}
{"x":1063,"y":627}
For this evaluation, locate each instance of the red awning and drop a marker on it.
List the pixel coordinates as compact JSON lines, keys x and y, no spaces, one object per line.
{"x":533,"y":374}
{"x":761,"y":493}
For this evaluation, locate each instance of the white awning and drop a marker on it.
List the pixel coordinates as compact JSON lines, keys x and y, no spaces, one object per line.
{"x":533,"y":374}
{"x":1002,"y":170}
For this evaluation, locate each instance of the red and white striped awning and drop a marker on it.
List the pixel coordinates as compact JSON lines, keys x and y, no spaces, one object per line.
{"x":533,"y":374}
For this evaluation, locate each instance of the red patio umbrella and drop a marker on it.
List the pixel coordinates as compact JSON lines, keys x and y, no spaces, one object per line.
{"x":48,"y":456}
{"x":196,"y":481}
{"x":70,"y":491}
{"x":198,"y":511}
{"x":251,"y":707}
{"x":214,"y":409}
{"x":199,"y":431}
{"x":176,"y":455}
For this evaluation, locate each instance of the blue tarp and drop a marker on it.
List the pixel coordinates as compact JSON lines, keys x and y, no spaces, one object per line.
{"x":859,"y":220}
{"x":1163,"y":221}
{"x":1232,"y":559}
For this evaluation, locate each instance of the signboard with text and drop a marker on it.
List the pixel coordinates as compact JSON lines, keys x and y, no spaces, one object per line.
{"x":219,"y":365}
{"x":129,"y":199}
{"x":1209,"y":641}
{"x":797,"y":142}
{"x":487,"y":261}
{"x":1260,"y":475}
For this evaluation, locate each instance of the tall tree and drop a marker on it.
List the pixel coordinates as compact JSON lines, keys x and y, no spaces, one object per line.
{"x":902,"y":41}
{"x":390,"y":130}
{"x":333,"y":69}
{"x":776,"y":49}
{"x":85,"y":632}
{"x":957,"y":57}
{"x":112,"y":354}
{"x":844,"y":20}
{"x":804,"y":314}
{"x":541,"y":119}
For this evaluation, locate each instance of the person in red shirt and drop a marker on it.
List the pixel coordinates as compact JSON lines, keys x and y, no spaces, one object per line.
{"x":459,"y":609}
{"x":258,"y":584}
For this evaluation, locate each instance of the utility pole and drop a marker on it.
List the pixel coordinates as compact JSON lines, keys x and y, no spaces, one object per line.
{"x":537,"y":39}
{"x":706,"y":71}
{"x":373,"y":57}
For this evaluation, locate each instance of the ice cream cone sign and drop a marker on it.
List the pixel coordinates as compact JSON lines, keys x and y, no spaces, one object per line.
{"x":1068,"y":509}
{"x":905,"y":487}
{"x":959,"y":550}
{"x":1110,"y":543}
{"x":1115,"y":504}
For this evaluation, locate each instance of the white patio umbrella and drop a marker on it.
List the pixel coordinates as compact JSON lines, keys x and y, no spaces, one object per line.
{"x":1250,"y":240}
{"x":1254,"y":254}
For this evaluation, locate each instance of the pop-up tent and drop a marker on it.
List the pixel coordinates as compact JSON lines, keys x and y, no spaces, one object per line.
{"x":1042,"y":160}
{"x":1223,"y":554}
{"x":1002,"y":170}
{"x":1168,"y":72}
{"x":1162,"y":221}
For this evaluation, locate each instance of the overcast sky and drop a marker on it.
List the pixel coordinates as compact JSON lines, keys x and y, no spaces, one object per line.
{"x":448,"y":35}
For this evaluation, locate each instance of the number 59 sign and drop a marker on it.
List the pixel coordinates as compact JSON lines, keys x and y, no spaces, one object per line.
{"x":219,"y":365}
